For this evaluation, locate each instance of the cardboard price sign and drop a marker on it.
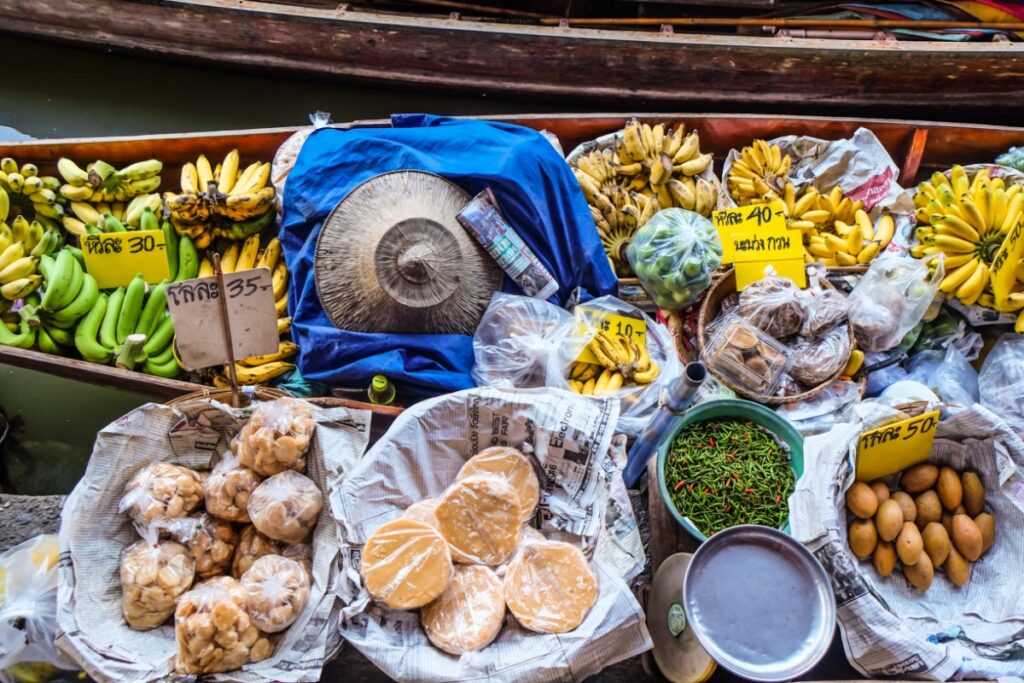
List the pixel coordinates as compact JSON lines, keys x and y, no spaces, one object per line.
{"x":619,"y":325}
{"x":195,"y":306}
{"x":754,"y":237}
{"x":114,"y":258}
{"x":895,"y":447}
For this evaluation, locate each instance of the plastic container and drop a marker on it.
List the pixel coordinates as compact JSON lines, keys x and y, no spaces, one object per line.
{"x":746,"y":356}
{"x":736,"y":409}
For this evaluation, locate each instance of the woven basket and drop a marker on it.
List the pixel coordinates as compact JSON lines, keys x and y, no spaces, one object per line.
{"x":245,"y":394}
{"x":721,"y":288}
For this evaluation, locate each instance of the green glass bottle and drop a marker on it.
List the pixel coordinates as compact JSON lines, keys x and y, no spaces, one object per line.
{"x":381,"y":391}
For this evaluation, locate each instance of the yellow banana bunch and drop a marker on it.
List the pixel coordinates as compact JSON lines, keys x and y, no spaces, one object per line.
{"x":101,"y":182}
{"x":83,"y":214}
{"x":620,"y":360}
{"x":29,"y":194}
{"x":760,"y":174}
{"x":967,"y":221}
{"x":837,"y":230}
{"x":648,"y":168}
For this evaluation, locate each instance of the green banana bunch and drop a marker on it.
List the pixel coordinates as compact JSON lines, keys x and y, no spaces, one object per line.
{"x":25,"y":336}
{"x":101,"y":182}
{"x":86,"y":334}
{"x":31,"y":193}
{"x":65,"y":278}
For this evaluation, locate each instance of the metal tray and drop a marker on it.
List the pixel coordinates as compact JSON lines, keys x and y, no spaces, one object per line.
{"x":759,"y":603}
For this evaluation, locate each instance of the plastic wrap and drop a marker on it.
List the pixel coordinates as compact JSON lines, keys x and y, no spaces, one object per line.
{"x":816,"y":361}
{"x":423,"y":511}
{"x":213,"y":630}
{"x":515,"y":339}
{"x":824,"y":307}
{"x":228,"y":488}
{"x":211,"y":542}
{"x":302,"y":553}
{"x":276,"y":437}
{"x":285,"y":506}
{"x":288,"y":152}
{"x":741,"y":353}
{"x":512,"y":466}
{"x":774,"y":305}
{"x":674,"y":255}
{"x":153,"y":575}
{"x":946,"y":373}
{"x":549,"y":587}
{"x":481,"y":519}
{"x":277,"y":590}
{"x":890,"y":299}
{"x":161,"y":490}
{"x":405,"y":564}
{"x":1001,"y":381}
{"x":252,"y":545}
{"x":470,"y":612}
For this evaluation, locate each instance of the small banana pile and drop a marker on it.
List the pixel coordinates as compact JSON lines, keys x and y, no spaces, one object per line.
{"x":100,"y":182}
{"x":647,"y":169}
{"x":967,"y":221}
{"x":30,"y":191}
{"x":85,"y":215}
{"x":222,"y":201}
{"x":620,"y":360}
{"x":760,"y":175}
{"x":21,"y":245}
{"x":837,"y":231}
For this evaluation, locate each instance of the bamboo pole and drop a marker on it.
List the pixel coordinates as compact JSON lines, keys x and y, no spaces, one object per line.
{"x":785,"y":22}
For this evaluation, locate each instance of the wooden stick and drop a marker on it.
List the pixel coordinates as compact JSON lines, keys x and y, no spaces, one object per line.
{"x":912,"y":162}
{"x":483,"y":9}
{"x":226,"y":323}
{"x":787,"y":23}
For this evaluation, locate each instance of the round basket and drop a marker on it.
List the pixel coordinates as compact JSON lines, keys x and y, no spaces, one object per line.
{"x":721,"y":288}
{"x":245,"y":394}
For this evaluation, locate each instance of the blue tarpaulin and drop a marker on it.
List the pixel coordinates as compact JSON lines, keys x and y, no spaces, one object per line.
{"x":538,"y":196}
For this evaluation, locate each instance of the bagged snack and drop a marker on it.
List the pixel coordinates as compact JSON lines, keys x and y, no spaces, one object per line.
{"x":153,"y":574}
{"x":276,"y":437}
{"x":285,"y":506}
{"x":277,"y":590}
{"x":824,"y":307}
{"x":161,"y":490}
{"x":423,"y":511}
{"x":774,"y":305}
{"x":549,"y":587}
{"x":405,"y":564}
{"x":674,"y":255}
{"x":890,"y":300}
{"x":741,"y":353}
{"x":228,"y":488}
{"x":816,"y":360}
{"x":470,"y":612}
{"x":213,"y":630}
{"x":211,"y":542}
{"x":302,"y":553}
{"x":480,"y":517}
{"x":511,"y":465}
{"x":252,"y":545}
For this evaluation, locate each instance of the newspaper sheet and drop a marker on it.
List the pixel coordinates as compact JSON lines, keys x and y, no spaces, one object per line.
{"x":568,"y":437}
{"x":889,"y":628}
{"x":93,"y":533}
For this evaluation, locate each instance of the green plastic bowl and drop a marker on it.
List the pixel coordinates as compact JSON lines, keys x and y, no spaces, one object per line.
{"x":733,"y":409}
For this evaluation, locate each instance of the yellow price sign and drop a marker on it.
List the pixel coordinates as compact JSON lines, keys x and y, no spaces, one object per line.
{"x":747,"y":219}
{"x":1004,"y":265}
{"x":895,"y":447}
{"x":619,"y":325}
{"x":114,"y":258}
{"x":755,"y":237}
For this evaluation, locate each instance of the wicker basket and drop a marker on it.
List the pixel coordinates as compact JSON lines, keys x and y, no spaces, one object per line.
{"x":245,"y":394}
{"x":721,"y":288}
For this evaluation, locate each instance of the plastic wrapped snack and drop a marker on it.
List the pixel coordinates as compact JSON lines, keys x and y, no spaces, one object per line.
{"x":211,"y":542}
{"x":826,"y":308}
{"x":228,"y":489}
{"x":890,"y":300}
{"x":774,"y":305}
{"x":162,"y":490}
{"x":816,"y":361}
{"x":277,"y":590}
{"x":153,"y":575}
{"x":480,"y":518}
{"x":470,"y":612}
{"x":276,"y":437}
{"x":422,"y":511}
{"x":511,"y":465}
{"x":285,"y":506}
{"x":405,"y":564}
{"x":213,"y":630}
{"x":549,"y":587}
{"x":302,"y":553}
{"x":252,"y":545}
{"x":674,"y":255}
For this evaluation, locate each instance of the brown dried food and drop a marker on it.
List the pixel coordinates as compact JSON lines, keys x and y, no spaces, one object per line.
{"x":817,"y":361}
{"x":741,"y":337}
{"x":774,"y":305}
{"x":825,"y":308}
{"x":285,"y":506}
{"x":277,"y":591}
{"x":228,"y":490}
{"x":162,"y":491}
{"x":152,"y":578}
{"x":276,"y":437}
{"x":211,"y":542}
{"x":252,"y":545}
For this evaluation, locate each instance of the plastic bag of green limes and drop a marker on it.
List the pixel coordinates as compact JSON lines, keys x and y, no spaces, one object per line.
{"x":674,"y":256}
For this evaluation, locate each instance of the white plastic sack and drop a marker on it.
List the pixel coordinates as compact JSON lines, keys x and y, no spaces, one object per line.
{"x":889,"y":629}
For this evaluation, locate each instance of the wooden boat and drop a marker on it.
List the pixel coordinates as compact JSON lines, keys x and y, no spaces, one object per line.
{"x":920,"y":148}
{"x":694,"y":70}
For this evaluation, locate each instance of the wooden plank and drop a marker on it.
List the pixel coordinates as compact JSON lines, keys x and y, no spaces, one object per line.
{"x":912,"y":162}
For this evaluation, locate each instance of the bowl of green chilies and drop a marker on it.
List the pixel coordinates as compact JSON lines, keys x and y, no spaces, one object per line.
{"x":729,"y":462}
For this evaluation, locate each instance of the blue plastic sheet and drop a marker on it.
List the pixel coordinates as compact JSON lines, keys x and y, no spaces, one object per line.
{"x":538,"y":196}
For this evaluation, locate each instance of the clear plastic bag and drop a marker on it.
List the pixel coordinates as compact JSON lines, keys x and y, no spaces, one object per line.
{"x":252,"y":545}
{"x":774,"y":305}
{"x":277,"y":591}
{"x":213,"y":630}
{"x":28,"y":604}
{"x":674,"y":255}
{"x":515,"y":339}
{"x":211,"y":542}
{"x":161,"y":491}
{"x":1001,"y":381}
{"x":741,"y":353}
{"x":154,"y":574}
{"x":228,"y":489}
{"x":890,"y":299}
{"x":276,"y":437}
{"x":285,"y":506}
{"x":825,"y":307}
{"x":816,"y":360}
{"x":947,"y":373}
{"x":302,"y":553}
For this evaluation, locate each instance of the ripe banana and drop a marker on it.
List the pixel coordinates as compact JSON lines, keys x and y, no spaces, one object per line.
{"x":261,"y":374}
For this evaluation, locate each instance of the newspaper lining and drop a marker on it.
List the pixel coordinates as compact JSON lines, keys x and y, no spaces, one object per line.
{"x":569,"y":437}
{"x":93,"y":533}
{"x":888,"y":628}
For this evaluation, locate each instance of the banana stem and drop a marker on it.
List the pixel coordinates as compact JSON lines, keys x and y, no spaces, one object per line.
{"x":131,"y":353}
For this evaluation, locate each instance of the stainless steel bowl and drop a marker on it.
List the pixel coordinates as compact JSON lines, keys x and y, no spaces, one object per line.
{"x":759,"y":603}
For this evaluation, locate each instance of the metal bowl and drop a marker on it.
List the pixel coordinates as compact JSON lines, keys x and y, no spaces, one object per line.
{"x":760,"y":603}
